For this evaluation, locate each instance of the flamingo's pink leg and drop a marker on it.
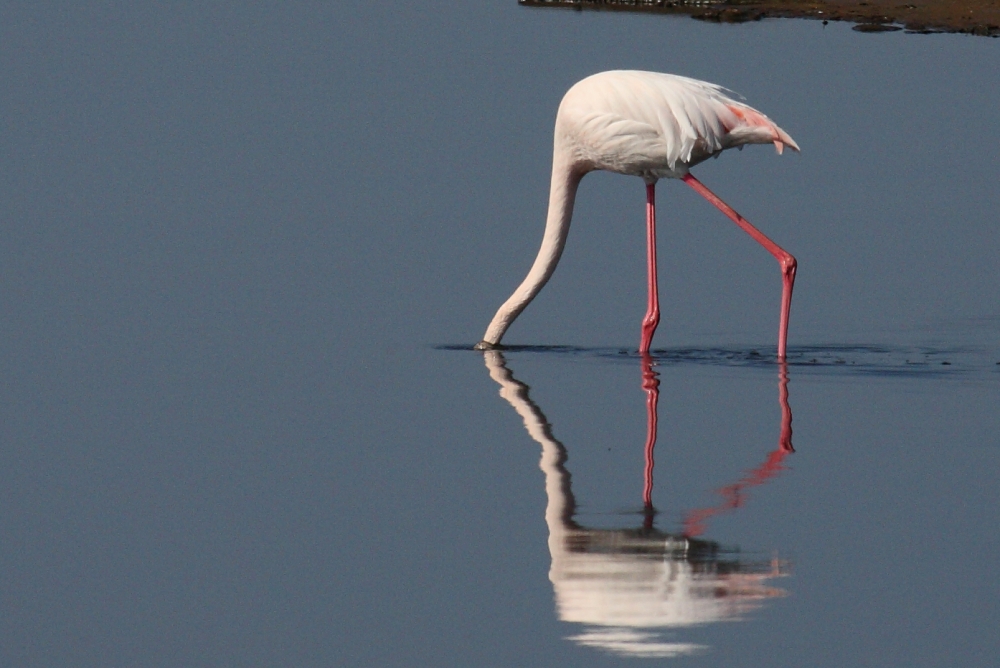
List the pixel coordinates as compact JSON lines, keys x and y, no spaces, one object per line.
{"x":652,"y":318}
{"x":784,"y":258}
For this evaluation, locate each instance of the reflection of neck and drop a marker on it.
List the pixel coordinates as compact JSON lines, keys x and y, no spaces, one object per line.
{"x":734,"y":495}
{"x":561,"y":504}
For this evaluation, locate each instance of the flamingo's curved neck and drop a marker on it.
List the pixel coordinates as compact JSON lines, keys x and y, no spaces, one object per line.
{"x":565,"y":179}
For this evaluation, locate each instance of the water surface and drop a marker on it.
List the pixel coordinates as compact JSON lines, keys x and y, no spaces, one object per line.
{"x":247,"y":251}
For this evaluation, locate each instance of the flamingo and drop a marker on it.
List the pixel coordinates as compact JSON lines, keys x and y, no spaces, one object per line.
{"x":655,"y":126}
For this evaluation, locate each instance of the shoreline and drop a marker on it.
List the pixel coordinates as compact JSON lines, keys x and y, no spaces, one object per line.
{"x":972,"y":17}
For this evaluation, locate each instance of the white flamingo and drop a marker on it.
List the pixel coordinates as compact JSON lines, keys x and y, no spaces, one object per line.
{"x":650,"y":125}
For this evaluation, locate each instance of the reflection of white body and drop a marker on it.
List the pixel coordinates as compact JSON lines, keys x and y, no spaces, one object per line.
{"x":644,"y":591}
{"x":627,"y":583}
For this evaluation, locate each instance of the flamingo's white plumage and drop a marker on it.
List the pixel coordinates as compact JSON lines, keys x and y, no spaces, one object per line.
{"x":654,"y":126}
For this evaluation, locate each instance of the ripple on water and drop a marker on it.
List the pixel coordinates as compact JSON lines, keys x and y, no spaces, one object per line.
{"x":964,"y":362}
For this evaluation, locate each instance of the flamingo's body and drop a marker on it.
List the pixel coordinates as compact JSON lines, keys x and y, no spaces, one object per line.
{"x":654,"y":126}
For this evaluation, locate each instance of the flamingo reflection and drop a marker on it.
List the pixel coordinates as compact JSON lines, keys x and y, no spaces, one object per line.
{"x":629,"y":585}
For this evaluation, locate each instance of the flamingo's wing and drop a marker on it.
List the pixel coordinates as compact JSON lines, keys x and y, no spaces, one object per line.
{"x":705,"y":117}
{"x":630,"y":120}
{"x":610,"y":140}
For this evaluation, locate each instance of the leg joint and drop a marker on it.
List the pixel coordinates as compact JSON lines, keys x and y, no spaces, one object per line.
{"x":788,"y":265}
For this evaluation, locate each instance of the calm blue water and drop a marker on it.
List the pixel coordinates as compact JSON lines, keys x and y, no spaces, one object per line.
{"x":247,"y":251}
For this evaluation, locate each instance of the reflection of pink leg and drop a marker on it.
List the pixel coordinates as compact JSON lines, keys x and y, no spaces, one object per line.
{"x":651,"y":384}
{"x":785,"y":440}
{"x":734,"y":495}
{"x":784,"y":259}
{"x":652,"y":318}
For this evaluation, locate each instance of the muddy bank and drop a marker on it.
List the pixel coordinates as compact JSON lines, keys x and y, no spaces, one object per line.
{"x":975,"y":17}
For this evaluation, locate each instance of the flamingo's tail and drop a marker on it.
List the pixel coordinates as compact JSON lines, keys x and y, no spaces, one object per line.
{"x":754,"y":121}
